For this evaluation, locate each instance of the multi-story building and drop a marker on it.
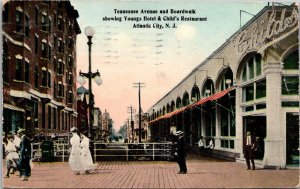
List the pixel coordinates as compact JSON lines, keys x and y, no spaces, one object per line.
{"x":82,"y":110}
{"x":106,"y":123}
{"x":144,"y":127}
{"x":250,"y":83}
{"x":97,"y":123}
{"x":39,"y":66}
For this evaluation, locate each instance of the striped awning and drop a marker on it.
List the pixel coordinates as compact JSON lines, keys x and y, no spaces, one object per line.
{"x":13,"y":107}
{"x":213,"y":97}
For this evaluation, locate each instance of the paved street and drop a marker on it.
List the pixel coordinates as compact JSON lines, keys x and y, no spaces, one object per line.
{"x":202,"y":173}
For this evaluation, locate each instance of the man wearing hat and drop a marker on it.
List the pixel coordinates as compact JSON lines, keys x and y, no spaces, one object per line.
{"x":25,"y":155}
{"x":181,"y":152}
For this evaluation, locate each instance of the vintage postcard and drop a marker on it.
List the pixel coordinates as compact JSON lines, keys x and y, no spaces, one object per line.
{"x":150,"y":94}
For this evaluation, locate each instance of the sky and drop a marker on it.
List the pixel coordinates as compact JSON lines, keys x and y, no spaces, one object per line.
{"x":159,"y":58}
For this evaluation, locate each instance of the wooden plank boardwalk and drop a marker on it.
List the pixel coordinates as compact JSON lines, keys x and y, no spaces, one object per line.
{"x":202,"y":173}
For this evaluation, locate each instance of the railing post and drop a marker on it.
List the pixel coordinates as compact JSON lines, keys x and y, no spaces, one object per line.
{"x":153,"y":151}
{"x":63,"y":152}
{"x":95,"y":152}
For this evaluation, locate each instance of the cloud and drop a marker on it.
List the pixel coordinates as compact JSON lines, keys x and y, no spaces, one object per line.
{"x":185,"y":32}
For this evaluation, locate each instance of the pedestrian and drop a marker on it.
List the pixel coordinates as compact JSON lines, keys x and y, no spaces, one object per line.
{"x":23,"y":163}
{"x":85,"y":154}
{"x":201,"y":145}
{"x":181,"y":152}
{"x":249,"y":149}
{"x":11,"y":155}
{"x":74,"y":159}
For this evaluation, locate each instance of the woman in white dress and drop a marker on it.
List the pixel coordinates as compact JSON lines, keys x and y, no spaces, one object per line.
{"x":74,"y":159}
{"x":11,"y":157}
{"x":85,"y":155}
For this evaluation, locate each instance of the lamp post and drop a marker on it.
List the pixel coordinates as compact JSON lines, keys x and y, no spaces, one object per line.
{"x":89,"y":32}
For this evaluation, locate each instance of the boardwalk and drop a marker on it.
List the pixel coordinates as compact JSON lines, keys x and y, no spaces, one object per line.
{"x":202,"y":173}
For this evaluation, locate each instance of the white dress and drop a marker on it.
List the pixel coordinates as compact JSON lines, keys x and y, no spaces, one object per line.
{"x":12,"y":155}
{"x":85,"y":154}
{"x":74,"y":159}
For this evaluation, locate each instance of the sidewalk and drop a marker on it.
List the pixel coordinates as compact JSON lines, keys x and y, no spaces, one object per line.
{"x":202,"y":173}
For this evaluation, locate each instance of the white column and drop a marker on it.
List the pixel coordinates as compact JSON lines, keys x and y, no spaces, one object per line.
{"x":274,"y":141}
{"x":218,"y":127}
{"x":238,"y":145}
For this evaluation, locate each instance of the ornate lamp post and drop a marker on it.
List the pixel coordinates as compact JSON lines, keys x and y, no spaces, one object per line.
{"x":89,"y":32}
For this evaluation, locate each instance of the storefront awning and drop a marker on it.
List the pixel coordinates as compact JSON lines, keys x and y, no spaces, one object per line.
{"x":213,"y":97}
{"x":12,"y":107}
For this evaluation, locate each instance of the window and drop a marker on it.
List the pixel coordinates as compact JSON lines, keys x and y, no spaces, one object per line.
{"x":54,"y":118}
{"x":49,"y":52}
{"x":55,"y":19}
{"x":49,"y":79}
{"x":70,"y":99}
{"x":55,"y":42}
{"x":261,"y":89}
{"x":36,"y":16}
{"x":27,"y":25}
{"x":70,"y":79}
{"x":19,"y":70}
{"x":44,"y":50}
{"x":60,"y":68}
{"x":44,"y":78}
{"x":289,"y":85}
{"x":36,"y":45}
{"x":44,"y":22}
{"x":19,"y":21}
{"x":49,"y":117}
{"x":27,"y":73}
{"x":248,"y":92}
{"x":291,"y":61}
{"x":70,"y":61}
{"x":49,"y":25}
{"x":60,"y":89}
{"x":60,"y":46}
{"x":252,"y":67}
{"x":60,"y":24}
{"x":36,"y":77}
{"x":70,"y":43}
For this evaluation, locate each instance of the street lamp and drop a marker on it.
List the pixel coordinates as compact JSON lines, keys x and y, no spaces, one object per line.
{"x":89,"y":32}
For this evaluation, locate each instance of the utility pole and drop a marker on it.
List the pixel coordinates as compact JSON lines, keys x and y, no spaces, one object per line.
{"x":139,"y":85}
{"x":131,"y":110}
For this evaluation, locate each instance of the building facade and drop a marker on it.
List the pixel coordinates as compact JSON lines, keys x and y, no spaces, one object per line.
{"x":82,"y":110}
{"x":250,"y":83}
{"x":39,"y":66}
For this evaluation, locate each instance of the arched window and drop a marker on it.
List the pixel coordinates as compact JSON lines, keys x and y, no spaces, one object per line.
{"x":195,"y":93}
{"x":208,"y":88}
{"x":185,"y":99}
{"x":290,"y":78}
{"x":253,"y":84}
{"x":178,"y":102}
{"x":172,"y":106}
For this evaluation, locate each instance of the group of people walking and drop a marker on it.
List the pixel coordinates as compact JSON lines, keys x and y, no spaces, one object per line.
{"x":18,"y":154}
{"x":80,"y":159}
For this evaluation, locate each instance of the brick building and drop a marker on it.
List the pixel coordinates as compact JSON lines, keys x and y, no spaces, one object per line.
{"x":39,"y":66}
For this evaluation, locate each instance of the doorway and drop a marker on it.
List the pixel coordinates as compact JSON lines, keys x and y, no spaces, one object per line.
{"x":292,"y":139}
{"x":257,"y":126}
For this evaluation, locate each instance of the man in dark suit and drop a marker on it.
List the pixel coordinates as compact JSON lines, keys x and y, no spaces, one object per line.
{"x":181,"y":152}
{"x":25,"y":155}
{"x":249,"y":149}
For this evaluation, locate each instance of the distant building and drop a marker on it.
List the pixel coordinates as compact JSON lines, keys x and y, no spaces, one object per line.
{"x":144,"y":127}
{"x":39,"y":66}
{"x":106,"y":129}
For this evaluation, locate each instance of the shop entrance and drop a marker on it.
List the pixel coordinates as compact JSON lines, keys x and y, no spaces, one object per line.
{"x":257,"y":126}
{"x":292,"y":139}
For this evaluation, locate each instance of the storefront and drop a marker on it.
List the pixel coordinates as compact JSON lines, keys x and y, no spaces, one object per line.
{"x":254,"y":89}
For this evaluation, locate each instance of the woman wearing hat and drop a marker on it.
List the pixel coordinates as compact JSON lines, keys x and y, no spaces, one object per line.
{"x":74,"y":159}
